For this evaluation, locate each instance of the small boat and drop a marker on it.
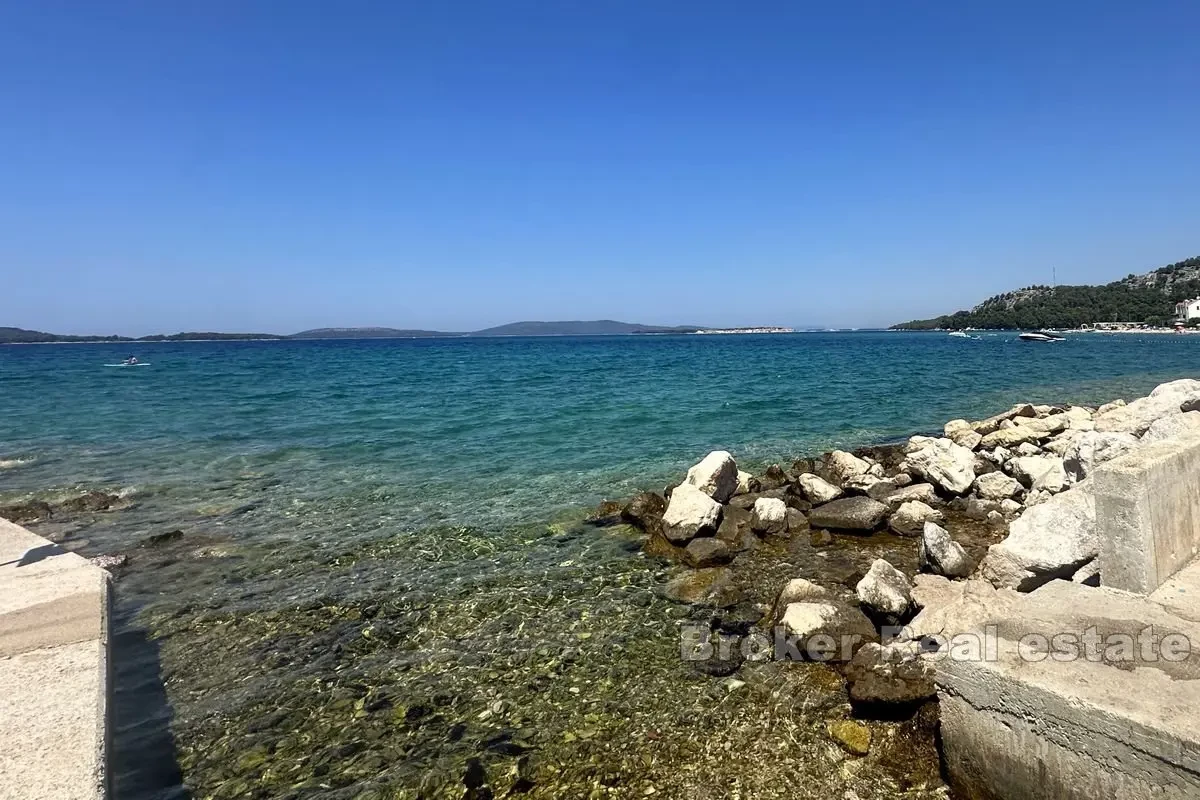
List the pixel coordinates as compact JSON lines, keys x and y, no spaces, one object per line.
{"x":960,"y":335}
{"x":1041,"y":336}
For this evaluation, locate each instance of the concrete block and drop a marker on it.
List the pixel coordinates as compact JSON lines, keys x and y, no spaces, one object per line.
{"x":1148,"y":513}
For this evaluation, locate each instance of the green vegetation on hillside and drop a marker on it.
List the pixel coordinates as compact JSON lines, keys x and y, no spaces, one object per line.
{"x":1148,"y":298}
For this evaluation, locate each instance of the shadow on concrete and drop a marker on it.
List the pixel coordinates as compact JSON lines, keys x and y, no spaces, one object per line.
{"x":144,"y":763}
{"x":36,"y":554}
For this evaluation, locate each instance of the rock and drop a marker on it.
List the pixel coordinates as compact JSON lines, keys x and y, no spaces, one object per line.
{"x":796,"y":521}
{"x":842,"y":630}
{"x":156,"y":539}
{"x":862,"y":484}
{"x":979,"y":509}
{"x":955,"y":425}
{"x":991,"y":424}
{"x":997,"y":486}
{"x":1040,"y":473}
{"x":998,"y":456}
{"x":1059,"y":444}
{"x":109,"y":562}
{"x":707,"y":552}
{"x":645,"y":511}
{"x":853,"y":737}
{"x":739,"y":619}
{"x":32,"y":511}
{"x":843,"y":465}
{"x":1050,"y":540}
{"x":769,"y":516}
{"x":1046,"y":426}
{"x":940,"y":554}
{"x":918,"y":492}
{"x":945,"y":464}
{"x":747,"y":484}
{"x":735,"y":526}
{"x":849,"y":513}
{"x":1171,"y":426}
{"x":1010,"y":437}
{"x":902,"y":480}
{"x":690,"y":513}
{"x":1190,"y":405}
{"x":1107,"y":407}
{"x":994,"y":517}
{"x":1010,"y":507}
{"x":892,"y":674}
{"x":969,"y":439}
{"x":1138,"y":416}
{"x":716,"y":475}
{"x":910,"y":518}
{"x":881,"y":489}
{"x":1035,"y":498}
{"x":820,"y":538}
{"x":1088,"y":574}
{"x":885,"y":591}
{"x":1028,"y":449}
{"x":798,"y":590}
{"x":1092,"y":449}
{"x":816,"y":490}
{"x":933,"y":591}
{"x":91,"y":501}
{"x":773,"y":478}
{"x":704,"y":587}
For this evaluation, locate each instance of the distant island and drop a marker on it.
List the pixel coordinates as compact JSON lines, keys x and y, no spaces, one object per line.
{"x":1147,"y":299}
{"x":604,"y":327}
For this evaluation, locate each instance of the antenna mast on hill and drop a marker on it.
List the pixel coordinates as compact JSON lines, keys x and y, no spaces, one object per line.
{"x":1054,"y":277}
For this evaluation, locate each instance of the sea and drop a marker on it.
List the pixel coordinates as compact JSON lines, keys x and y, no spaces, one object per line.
{"x":362,"y":568}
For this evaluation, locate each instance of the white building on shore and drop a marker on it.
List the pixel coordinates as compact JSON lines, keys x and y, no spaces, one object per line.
{"x":1188,"y":309}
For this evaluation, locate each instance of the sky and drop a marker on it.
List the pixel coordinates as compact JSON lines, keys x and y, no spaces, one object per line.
{"x":234,"y":165}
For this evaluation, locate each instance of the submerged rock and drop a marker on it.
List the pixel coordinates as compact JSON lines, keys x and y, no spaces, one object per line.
{"x":645,"y":511}
{"x":852,"y":736}
{"x":91,"y":501}
{"x":32,"y":511}
{"x":704,"y":587}
{"x":889,"y":675}
{"x":707,"y":552}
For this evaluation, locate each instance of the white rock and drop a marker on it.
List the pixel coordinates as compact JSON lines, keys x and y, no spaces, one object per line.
{"x":817,"y":490}
{"x":716,"y":475}
{"x":1181,"y":386}
{"x":1048,"y":541}
{"x":910,"y":517}
{"x":769,"y":515}
{"x":1010,"y":437}
{"x":1107,"y":407}
{"x":1059,"y":444}
{"x":1092,"y":449}
{"x":885,"y":589}
{"x":1079,"y":414}
{"x":861,"y":484}
{"x":1010,"y":507}
{"x":955,"y":425}
{"x":1171,"y":426}
{"x":1047,"y":426}
{"x":744,"y":482}
{"x":922,"y":492}
{"x":1040,"y":473}
{"x":798,"y":590}
{"x":843,"y":465}
{"x":849,"y":628}
{"x":1028,"y":449}
{"x":1036,"y":498}
{"x":915,"y":443}
{"x":690,"y":513}
{"x":997,"y":486}
{"x":944,"y":464}
{"x":967,"y":438}
{"x":1138,"y":416}
{"x":939,"y":553}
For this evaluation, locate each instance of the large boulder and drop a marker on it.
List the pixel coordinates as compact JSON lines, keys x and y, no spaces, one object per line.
{"x":842,"y":631}
{"x":849,"y":513}
{"x":1050,"y":540}
{"x":940,"y":554}
{"x":910,"y":518}
{"x":1092,"y":449}
{"x":773,"y":478}
{"x":816,"y":489}
{"x":945,"y":464}
{"x":885,"y":591}
{"x":716,"y":475}
{"x":645,"y":511}
{"x":708,"y":552}
{"x":1171,"y":426}
{"x":769,"y":516}
{"x":690,"y":513}
{"x":843,"y":466}
{"x":997,"y":486}
{"x":1138,"y":416}
{"x":889,"y":675}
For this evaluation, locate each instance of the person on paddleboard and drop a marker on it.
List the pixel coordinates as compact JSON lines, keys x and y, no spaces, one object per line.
{"x":130,"y":361}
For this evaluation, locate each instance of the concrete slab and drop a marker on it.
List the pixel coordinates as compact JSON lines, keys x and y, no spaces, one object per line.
{"x":1148,"y":513}
{"x":1055,"y":717}
{"x":54,"y":671}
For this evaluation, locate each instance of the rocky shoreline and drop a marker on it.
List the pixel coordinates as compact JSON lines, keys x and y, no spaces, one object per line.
{"x":846,"y":558}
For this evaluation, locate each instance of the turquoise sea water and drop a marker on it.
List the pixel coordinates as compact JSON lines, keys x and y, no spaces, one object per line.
{"x":399,"y":518}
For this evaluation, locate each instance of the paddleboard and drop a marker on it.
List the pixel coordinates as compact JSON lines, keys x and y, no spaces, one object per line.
{"x":139,"y":364}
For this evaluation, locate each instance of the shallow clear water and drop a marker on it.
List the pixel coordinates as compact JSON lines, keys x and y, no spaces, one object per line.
{"x":380,"y":568}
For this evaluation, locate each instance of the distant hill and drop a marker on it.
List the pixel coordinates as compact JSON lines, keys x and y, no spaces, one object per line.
{"x":602,"y":327}
{"x":1148,"y":298}
{"x":367,"y":333}
{"x":21,"y":335}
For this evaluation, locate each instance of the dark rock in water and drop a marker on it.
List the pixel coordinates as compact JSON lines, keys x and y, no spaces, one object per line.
{"x":794,"y":497}
{"x":645,"y":511}
{"x":821,"y":538}
{"x":796,"y":521}
{"x":892,"y":675}
{"x":707,"y":553}
{"x":739,"y":619}
{"x":734,"y":522}
{"x":856,"y":513}
{"x":743,"y":501}
{"x":725,"y":659}
{"x":109,"y":562}
{"x":475,"y":779}
{"x":607,"y":513}
{"x":704,"y":587}
{"x":91,"y":501}
{"x":33,"y":511}
{"x":889,"y":456}
{"x":156,"y":539}
{"x":880,"y":490}
{"x":773,"y":478}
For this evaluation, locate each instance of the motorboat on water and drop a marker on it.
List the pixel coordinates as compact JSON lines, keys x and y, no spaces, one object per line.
{"x":1041,"y":336}
{"x":960,"y":334}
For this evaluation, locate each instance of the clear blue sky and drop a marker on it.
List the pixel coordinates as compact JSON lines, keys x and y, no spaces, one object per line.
{"x":235,"y":165}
